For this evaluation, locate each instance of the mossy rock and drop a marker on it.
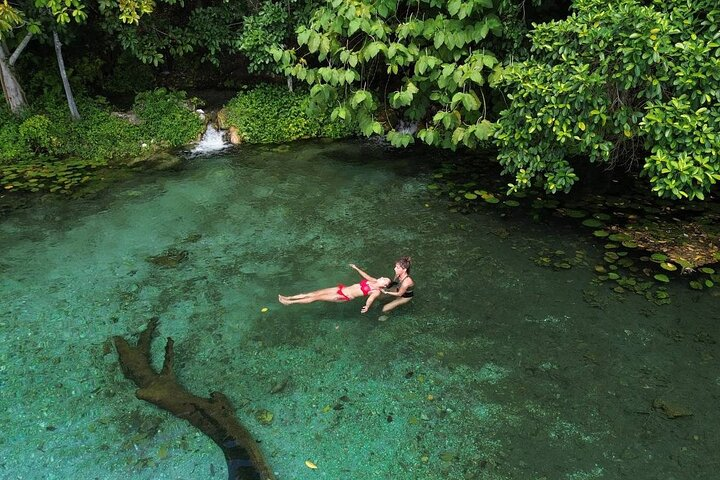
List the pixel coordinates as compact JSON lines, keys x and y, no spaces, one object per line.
{"x":158,"y":161}
{"x":170,"y":258}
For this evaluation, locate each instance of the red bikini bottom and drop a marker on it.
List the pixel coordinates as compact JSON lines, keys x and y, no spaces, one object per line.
{"x":341,"y":293}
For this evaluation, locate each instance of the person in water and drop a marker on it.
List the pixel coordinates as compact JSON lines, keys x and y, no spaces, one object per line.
{"x":401,"y":287}
{"x":369,"y":286}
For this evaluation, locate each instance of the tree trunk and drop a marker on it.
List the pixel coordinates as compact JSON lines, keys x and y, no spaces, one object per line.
{"x":12,"y":91}
{"x":214,"y":416}
{"x":68,"y":91}
{"x":19,"y":49}
{"x":290,"y":83}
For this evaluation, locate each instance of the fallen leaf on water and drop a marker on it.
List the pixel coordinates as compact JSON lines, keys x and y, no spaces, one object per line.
{"x":310,"y":464}
{"x":264,"y":309}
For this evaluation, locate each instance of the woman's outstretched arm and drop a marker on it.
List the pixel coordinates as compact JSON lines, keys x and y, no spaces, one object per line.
{"x":361,"y":272}
{"x":371,"y":298}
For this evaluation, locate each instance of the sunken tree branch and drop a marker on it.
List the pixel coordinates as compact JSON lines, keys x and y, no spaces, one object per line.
{"x":214,"y":416}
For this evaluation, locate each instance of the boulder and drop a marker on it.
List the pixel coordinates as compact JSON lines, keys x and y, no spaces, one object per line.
{"x":234,"y":136}
{"x":221,"y":119}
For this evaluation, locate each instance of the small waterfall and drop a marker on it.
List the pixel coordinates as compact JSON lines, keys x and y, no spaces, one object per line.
{"x":211,"y":141}
{"x":406,"y":127}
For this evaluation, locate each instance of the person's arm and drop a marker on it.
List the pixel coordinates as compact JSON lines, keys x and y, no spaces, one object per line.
{"x":371,"y":298}
{"x":362,"y":273}
{"x":404,"y":286}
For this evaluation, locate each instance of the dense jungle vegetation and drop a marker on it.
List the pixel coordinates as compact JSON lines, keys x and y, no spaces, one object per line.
{"x":550,"y":86}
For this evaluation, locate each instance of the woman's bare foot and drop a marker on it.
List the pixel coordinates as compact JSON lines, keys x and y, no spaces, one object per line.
{"x":283,"y":300}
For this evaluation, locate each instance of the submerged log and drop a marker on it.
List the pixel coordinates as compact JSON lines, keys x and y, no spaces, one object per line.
{"x":214,"y":416}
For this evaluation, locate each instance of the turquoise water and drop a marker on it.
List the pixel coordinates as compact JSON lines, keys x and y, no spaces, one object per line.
{"x":498,"y":369}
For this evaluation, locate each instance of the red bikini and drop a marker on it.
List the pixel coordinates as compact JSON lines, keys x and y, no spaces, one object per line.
{"x":364,"y":288}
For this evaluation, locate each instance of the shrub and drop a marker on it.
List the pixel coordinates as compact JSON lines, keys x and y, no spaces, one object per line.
{"x":169,"y":118}
{"x":273,"y":114}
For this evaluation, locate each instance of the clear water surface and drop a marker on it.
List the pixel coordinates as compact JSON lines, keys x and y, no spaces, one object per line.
{"x":498,"y":369}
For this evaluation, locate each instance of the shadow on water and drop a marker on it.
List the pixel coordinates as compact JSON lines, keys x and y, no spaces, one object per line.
{"x":500,"y":368}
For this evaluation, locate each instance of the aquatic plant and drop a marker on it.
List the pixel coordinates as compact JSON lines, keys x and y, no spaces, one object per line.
{"x":647,"y":245}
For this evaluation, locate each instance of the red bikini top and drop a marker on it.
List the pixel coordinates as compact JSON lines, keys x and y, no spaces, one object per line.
{"x":364,"y":287}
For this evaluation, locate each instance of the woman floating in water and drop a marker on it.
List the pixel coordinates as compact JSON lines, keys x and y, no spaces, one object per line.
{"x":368,"y":286}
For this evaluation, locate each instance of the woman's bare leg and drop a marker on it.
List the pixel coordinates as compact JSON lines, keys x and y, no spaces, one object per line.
{"x":324,"y":295}
{"x":395,"y":303}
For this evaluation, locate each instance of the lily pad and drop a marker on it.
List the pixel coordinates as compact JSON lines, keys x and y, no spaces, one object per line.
{"x":490,"y":199}
{"x":592,"y":223}
{"x":574,"y":213}
{"x":670,"y":267}
{"x":614,"y":256}
{"x":694,"y":284}
{"x":658,"y":257}
{"x":602,"y":216}
{"x":619,"y":237}
{"x":629,"y":244}
{"x":660,"y":277}
{"x":707,"y":270}
{"x":625,"y":262}
{"x":512,"y":203}
{"x":600,"y":233}
{"x":470,"y":196}
{"x":709,"y":283}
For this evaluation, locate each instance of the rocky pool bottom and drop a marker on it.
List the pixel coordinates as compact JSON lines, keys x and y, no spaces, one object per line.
{"x":500,"y":368}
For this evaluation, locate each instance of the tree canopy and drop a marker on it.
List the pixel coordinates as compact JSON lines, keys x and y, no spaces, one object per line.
{"x":623,"y":83}
{"x":427,"y":60}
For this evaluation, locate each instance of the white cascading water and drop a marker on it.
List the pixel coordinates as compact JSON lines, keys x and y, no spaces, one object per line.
{"x":211,"y":141}
{"x":406,"y":127}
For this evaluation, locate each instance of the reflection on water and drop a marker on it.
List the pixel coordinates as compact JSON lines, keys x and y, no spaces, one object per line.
{"x":498,"y":369}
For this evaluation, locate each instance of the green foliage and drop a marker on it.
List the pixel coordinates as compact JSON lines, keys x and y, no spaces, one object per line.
{"x":624,"y":83}
{"x":129,"y":75}
{"x":46,"y":151}
{"x":267,"y":28}
{"x":35,"y":132}
{"x":272,"y":114}
{"x":207,"y":30}
{"x":168,"y":117}
{"x":431,"y":57}
{"x":166,"y":31}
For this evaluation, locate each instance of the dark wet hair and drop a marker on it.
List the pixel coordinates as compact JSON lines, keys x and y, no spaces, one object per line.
{"x":405,"y":263}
